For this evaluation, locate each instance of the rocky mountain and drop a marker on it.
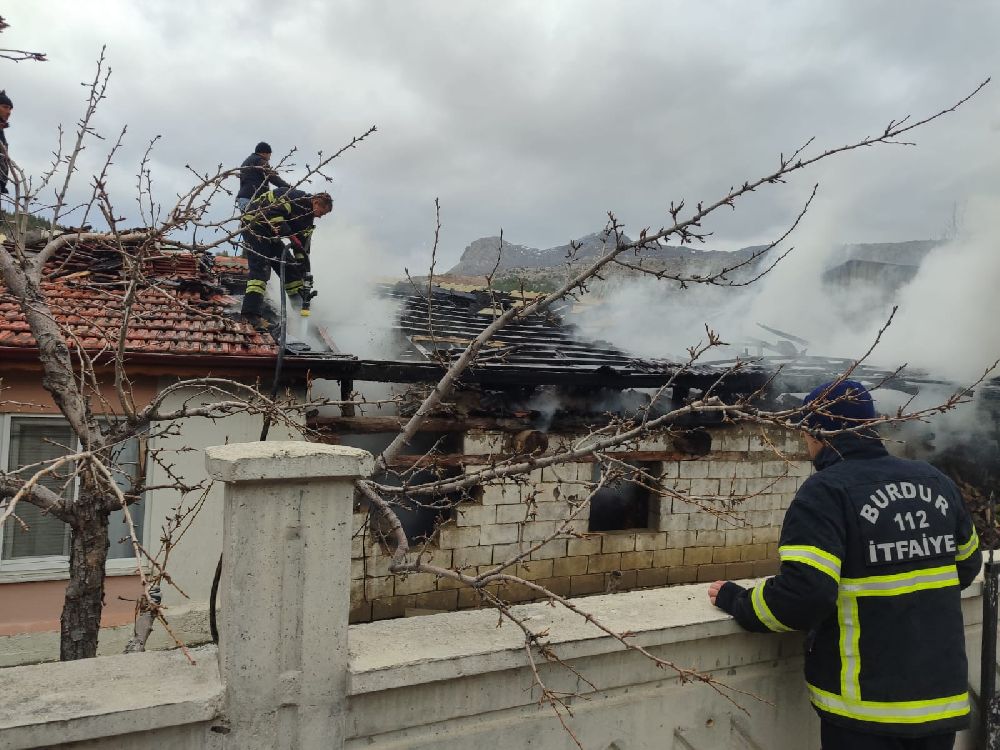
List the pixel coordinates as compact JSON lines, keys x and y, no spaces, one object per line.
{"x":541,"y":269}
{"x":480,"y":257}
{"x":909,"y":253}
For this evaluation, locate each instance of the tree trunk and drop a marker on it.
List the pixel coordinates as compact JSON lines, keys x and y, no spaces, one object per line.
{"x":81,"y":615}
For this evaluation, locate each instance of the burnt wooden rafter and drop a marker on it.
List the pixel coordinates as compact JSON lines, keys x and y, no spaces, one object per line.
{"x":531,"y":351}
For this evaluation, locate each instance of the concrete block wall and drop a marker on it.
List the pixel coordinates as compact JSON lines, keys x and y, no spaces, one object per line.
{"x":684,"y":541}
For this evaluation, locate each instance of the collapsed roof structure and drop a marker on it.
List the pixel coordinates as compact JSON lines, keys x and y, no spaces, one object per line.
{"x":186,"y":305}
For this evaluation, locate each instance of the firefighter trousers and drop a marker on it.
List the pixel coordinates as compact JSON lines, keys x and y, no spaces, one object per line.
{"x":263,"y":254}
{"x":834,"y":737}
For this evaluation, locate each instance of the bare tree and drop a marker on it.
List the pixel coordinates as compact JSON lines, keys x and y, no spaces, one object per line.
{"x":89,"y":379}
{"x":18,"y":55}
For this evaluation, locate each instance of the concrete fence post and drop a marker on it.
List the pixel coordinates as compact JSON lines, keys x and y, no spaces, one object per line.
{"x":285,"y":590}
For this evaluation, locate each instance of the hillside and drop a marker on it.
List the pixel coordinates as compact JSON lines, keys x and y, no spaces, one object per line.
{"x":546,"y":266}
{"x":543,"y":269}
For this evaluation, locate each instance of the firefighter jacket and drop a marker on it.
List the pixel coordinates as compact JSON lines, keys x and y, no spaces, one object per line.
{"x":255,"y":174}
{"x":875,"y":551}
{"x":282,"y":212}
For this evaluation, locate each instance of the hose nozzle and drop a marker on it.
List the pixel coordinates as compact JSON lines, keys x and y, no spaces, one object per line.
{"x":306,"y":293}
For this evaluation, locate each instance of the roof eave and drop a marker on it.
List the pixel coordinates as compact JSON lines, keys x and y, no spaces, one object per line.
{"x":168,"y":362}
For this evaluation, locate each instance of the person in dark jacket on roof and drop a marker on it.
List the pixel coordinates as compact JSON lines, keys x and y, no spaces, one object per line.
{"x":255,"y":174}
{"x":875,"y":551}
{"x":6,"y":108}
{"x":280,"y":213}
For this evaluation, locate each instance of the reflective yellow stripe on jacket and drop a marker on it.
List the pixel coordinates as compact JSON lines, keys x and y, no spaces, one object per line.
{"x":900,"y":583}
{"x":253,"y":212}
{"x":851,"y":589}
{"x":286,"y":207}
{"x":763,"y":612}
{"x":966,"y":550}
{"x":901,"y":712}
{"x":815,"y":557}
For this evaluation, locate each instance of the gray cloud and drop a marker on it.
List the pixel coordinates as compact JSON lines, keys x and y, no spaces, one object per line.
{"x":537,"y":117}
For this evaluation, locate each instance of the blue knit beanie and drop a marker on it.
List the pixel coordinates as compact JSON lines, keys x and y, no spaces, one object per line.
{"x":840,"y":406}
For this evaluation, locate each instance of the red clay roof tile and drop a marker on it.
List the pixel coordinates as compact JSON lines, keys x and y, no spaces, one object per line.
{"x":186,"y":321}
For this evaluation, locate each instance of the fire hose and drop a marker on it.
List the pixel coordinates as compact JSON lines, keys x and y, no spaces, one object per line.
{"x":286,"y":257}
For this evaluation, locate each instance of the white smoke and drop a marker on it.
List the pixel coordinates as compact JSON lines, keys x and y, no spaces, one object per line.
{"x":654,"y":318}
{"x":347,"y":266}
{"x":948,"y":315}
{"x":968,"y":423}
{"x":945,"y":323}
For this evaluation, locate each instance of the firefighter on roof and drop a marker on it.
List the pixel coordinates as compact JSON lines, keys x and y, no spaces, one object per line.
{"x":875,"y":551}
{"x":280,"y":213}
{"x":255,"y":173}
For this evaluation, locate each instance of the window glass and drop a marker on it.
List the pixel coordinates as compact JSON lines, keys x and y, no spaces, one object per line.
{"x":34,"y":440}
{"x":126,"y":471}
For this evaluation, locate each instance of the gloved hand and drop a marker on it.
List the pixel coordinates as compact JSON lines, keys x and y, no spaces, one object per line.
{"x":296,"y":242}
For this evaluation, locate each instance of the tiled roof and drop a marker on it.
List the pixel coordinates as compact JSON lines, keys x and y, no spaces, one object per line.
{"x":231,"y":264}
{"x":180,"y":312}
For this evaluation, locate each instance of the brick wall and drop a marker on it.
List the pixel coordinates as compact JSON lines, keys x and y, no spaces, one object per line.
{"x":683,"y":542}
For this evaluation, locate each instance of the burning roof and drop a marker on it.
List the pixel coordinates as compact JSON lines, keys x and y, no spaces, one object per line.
{"x":532,"y":350}
{"x":439,"y":326}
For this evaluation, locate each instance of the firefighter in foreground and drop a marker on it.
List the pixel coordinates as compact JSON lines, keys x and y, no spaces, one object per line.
{"x":270,"y":217}
{"x":875,"y":551}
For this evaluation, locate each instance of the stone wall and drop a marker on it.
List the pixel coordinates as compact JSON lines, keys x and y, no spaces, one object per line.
{"x":682,"y":542}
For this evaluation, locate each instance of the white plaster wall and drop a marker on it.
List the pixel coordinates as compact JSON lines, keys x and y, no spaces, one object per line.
{"x":192,"y":563}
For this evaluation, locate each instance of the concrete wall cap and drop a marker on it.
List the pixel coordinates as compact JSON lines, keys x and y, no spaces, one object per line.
{"x":46,"y":705}
{"x":391,"y":654}
{"x":283,"y":460}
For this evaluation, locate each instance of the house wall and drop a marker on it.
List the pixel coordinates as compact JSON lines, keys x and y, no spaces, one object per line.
{"x":32,"y":602}
{"x":23,"y":392}
{"x":30,"y":609}
{"x":683,"y":543}
{"x":193,"y":561}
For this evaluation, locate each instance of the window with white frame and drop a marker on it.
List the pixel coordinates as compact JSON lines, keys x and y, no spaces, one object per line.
{"x":30,"y":441}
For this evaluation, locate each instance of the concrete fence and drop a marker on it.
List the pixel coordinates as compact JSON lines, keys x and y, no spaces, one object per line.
{"x":291,"y":673}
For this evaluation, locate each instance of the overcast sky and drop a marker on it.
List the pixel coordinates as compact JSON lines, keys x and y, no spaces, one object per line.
{"x":538,"y":117}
